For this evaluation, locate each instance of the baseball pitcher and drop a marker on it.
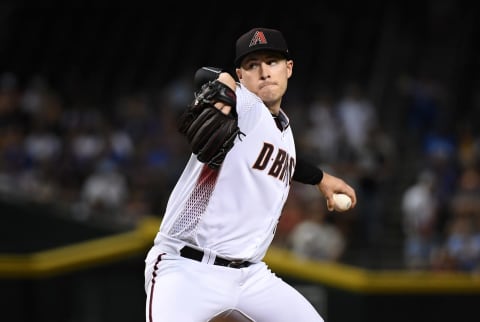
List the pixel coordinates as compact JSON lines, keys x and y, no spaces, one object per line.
{"x":207,"y":258}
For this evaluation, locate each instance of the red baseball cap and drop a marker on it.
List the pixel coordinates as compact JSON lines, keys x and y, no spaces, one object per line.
{"x":260,"y":39}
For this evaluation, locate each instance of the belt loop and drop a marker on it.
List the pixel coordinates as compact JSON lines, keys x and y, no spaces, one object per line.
{"x":208,"y":256}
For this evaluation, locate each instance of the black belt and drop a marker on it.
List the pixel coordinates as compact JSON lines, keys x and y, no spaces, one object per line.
{"x":195,"y":254}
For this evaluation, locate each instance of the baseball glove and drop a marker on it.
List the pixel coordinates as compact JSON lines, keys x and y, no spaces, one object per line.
{"x":210,"y":132}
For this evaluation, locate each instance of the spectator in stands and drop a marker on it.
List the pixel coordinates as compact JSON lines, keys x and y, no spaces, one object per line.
{"x":462,"y":241}
{"x":357,"y":116}
{"x":419,"y":209}
{"x":425,"y":106}
{"x":321,"y":136}
{"x":105,"y":193}
{"x":316,"y":236}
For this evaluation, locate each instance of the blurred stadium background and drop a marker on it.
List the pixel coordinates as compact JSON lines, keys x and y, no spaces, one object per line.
{"x":89,"y":152}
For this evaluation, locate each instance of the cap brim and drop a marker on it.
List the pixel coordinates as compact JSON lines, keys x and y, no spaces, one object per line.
{"x":239,"y":60}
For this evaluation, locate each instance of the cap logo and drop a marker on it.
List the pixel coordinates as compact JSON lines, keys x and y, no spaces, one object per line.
{"x":258,"y":38}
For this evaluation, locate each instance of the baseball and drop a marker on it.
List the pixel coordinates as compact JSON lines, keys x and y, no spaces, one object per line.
{"x":342,"y":202}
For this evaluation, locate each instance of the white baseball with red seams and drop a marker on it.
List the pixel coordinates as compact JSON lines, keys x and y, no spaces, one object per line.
{"x":342,"y":202}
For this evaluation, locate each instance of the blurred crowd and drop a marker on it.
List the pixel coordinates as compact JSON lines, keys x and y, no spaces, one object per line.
{"x":417,"y":179}
{"x":109,"y":164}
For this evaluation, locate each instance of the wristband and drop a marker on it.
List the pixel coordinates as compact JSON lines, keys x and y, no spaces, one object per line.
{"x":307,"y":173}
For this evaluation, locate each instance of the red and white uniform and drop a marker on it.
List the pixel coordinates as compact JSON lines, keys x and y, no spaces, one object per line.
{"x":231,"y":212}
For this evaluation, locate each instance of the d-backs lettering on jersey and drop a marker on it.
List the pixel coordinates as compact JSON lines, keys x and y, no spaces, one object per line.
{"x":280,"y":167}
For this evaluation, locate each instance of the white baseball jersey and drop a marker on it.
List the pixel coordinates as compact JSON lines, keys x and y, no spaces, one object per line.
{"x":233,"y":211}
